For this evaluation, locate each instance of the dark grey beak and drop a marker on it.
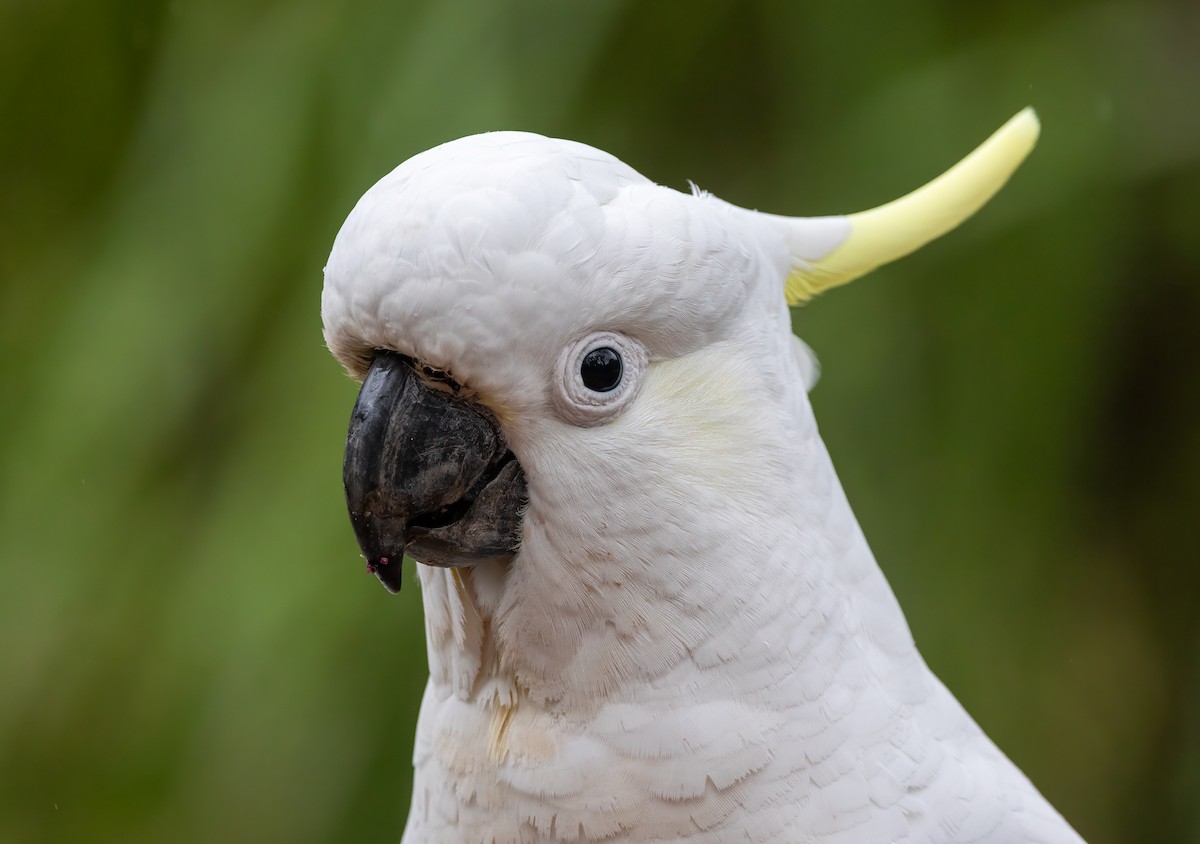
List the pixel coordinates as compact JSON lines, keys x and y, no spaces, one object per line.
{"x":428,"y":473}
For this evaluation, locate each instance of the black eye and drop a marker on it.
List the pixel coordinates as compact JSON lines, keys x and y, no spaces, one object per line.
{"x":601,"y":369}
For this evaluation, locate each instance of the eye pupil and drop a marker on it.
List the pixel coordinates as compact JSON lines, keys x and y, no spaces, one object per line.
{"x":601,"y":369}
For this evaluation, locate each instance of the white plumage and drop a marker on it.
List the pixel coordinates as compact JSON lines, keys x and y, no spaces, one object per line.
{"x":694,"y":642}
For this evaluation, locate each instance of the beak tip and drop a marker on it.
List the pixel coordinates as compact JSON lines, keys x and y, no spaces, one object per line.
{"x":388,"y":571}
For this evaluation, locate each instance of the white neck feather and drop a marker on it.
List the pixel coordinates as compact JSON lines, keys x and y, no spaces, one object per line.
{"x":702,"y":678}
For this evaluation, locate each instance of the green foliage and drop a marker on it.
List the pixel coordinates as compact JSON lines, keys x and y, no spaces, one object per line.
{"x":189,"y":650}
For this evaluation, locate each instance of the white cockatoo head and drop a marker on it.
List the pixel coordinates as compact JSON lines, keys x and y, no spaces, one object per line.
{"x":581,"y":389}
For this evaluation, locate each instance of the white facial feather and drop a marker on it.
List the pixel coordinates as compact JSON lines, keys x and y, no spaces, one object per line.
{"x":487,"y":254}
{"x":694,"y":642}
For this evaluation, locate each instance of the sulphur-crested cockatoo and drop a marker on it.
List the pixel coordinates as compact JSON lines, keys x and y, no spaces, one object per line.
{"x":650,"y":612}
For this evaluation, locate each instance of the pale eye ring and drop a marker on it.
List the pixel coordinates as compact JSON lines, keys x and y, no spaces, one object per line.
{"x":598,"y":375}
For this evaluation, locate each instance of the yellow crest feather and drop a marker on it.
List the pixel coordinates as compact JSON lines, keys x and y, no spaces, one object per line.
{"x":873,"y":238}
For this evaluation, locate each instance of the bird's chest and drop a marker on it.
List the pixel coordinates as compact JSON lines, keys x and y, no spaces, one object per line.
{"x":629,"y":772}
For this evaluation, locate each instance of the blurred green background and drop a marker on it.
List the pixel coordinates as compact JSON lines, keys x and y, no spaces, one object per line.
{"x":189,"y":648}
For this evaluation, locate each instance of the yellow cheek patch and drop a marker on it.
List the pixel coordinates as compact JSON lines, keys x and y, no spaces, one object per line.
{"x":699,"y":413}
